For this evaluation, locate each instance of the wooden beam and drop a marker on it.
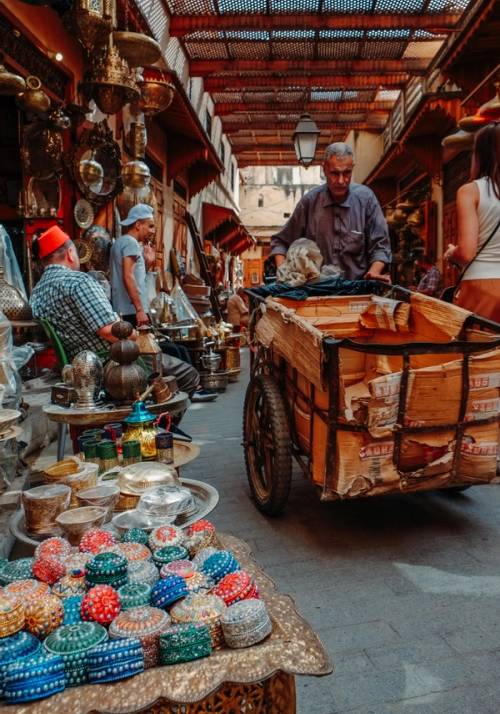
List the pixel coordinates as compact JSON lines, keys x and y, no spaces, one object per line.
{"x":314,"y":108}
{"x":181,"y":25}
{"x":205,"y":68}
{"x":338,"y":81}
{"x":289,"y":126}
{"x":277,"y":146}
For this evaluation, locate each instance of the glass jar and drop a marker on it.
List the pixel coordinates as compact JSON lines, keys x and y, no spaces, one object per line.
{"x":131,"y":452}
{"x":90,"y":452}
{"x":108,"y":455}
{"x":114,"y":432}
{"x":165,"y":448}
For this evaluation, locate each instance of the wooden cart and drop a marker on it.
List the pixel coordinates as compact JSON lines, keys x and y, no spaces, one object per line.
{"x":371,"y":394}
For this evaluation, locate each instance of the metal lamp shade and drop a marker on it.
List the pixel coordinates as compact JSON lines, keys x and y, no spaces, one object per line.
{"x":491,"y":110}
{"x":305,"y":139}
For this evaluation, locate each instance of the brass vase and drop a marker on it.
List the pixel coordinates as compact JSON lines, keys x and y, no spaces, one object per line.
{"x":12,"y":303}
{"x":33,"y":99}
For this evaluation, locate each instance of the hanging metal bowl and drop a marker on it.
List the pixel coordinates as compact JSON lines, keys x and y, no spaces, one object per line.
{"x":157,"y":91}
{"x":138,"y":50}
{"x":472,"y":123}
{"x":136,"y":174}
{"x":491,"y":110}
{"x":10,"y":83}
{"x":459,"y":141}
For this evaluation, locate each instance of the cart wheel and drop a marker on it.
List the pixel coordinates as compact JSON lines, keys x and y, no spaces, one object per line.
{"x":268,"y":452}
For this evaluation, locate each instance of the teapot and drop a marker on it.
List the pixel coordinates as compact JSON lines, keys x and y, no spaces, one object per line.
{"x":142,"y":426}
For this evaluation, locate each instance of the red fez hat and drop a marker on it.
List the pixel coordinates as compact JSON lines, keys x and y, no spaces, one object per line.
{"x":51,"y":240}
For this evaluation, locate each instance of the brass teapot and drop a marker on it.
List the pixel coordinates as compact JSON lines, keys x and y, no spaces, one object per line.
{"x":141,"y":426}
{"x":33,"y":99}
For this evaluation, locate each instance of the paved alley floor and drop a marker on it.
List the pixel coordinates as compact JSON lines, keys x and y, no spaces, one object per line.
{"x":404,"y":591}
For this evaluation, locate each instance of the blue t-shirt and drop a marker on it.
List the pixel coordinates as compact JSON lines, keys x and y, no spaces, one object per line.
{"x":127,"y":246}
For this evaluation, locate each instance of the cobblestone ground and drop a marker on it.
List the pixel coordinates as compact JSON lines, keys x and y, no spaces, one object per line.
{"x":403,"y":591}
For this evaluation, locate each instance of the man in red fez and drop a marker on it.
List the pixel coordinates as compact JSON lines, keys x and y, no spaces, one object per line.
{"x":78,"y":308}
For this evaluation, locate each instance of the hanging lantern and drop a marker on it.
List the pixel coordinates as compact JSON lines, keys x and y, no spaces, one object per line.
{"x":91,"y":21}
{"x":136,"y":174}
{"x":491,"y":110}
{"x":92,"y":174}
{"x":305,"y":139}
{"x":109,"y":82}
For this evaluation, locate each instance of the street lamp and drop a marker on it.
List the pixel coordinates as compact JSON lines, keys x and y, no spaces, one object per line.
{"x":305,"y":138}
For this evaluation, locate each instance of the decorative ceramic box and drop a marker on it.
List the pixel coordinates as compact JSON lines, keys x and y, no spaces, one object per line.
{"x":101,"y":604}
{"x":14,"y":649}
{"x":143,"y":571}
{"x":19,"y":569}
{"x":184,"y":568}
{"x":133,"y":551}
{"x":34,"y":678}
{"x":72,"y":642}
{"x":235,"y":587}
{"x":219,"y":564}
{"x":54,"y":546}
{"x":135,"y":535}
{"x":11,"y":616}
{"x":77,"y":561}
{"x":167,"y":554}
{"x":135,"y":595}
{"x":200,"y":535}
{"x":145,"y":623}
{"x":114,"y":660}
{"x":204,"y":609}
{"x":183,"y":643}
{"x":203,"y":554}
{"x":72,"y":605}
{"x":96,"y":540}
{"x":107,"y":569}
{"x":71,"y":584}
{"x":48,"y":569}
{"x":25,"y":590}
{"x":168,"y":590}
{"x":44,"y":615}
{"x":246,"y":623}
{"x":165,"y":535}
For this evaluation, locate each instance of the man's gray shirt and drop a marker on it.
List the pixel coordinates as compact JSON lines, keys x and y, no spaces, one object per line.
{"x":127,"y":246}
{"x":351,"y":235}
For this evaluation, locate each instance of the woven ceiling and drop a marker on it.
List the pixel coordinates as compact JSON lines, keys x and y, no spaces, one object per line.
{"x":344,"y":61}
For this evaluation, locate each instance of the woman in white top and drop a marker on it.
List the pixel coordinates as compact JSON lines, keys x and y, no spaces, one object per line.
{"x":478,"y":218}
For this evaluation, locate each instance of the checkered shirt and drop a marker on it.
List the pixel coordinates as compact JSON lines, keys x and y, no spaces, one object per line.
{"x":76,"y":305}
{"x":431,"y":282}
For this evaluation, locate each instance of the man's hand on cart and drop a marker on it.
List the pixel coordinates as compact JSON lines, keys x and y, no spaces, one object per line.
{"x":375,"y":272}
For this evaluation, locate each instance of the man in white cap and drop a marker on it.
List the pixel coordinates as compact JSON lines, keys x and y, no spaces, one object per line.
{"x":128,"y":269}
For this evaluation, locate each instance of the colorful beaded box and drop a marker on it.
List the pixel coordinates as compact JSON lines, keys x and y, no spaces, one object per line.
{"x":143,"y":571}
{"x":165,"y":535}
{"x":33,"y":678}
{"x":25,"y":590}
{"x":135,"y":535}
{"x":145,"y":623}
{"x":101,"y":604}
{"x":168,"y":590}
{"x":15,"y":648}
{"x":219,"y":564}
{"x":11,"y":616}
{"x":73,"y":642}
{"x":134,"y":595}
{"x":114,"y":660}
{"x":107,"y":569}
{"x":44,"y":615}
{"x":235,"y":587}
{"x":168,"y":553}
{"x":183,"y":643}
{"x":246,"y":623}
{"x":204,"y":609}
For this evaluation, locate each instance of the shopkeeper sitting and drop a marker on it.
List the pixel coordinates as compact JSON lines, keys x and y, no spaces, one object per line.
{"x":77,"y":307}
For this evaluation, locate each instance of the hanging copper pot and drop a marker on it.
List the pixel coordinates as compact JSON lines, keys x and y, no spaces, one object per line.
{"x":33,"y":99}
{"x":472,"y":123}
{"x":491,"y":110}
{"x":109,"y":82}
{"x":137,"y":50}
{"x":10,"y":83}
{"x":157,"y":91}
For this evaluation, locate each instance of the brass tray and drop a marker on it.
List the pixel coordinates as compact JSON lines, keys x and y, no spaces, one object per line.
{"x":292,"y":647}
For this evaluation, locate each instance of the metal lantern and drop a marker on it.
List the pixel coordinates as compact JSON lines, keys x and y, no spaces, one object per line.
{"x":109,"y":82}
{"x":305,"y":139}
{"x":91,"y":21}
{"x":157,"y":91}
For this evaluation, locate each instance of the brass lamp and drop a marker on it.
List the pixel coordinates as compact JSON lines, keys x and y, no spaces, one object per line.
{"x":459,"y":141}
{"x":472,"y":123}
{"x":109,"y":82}
{"x":91,"y":21}
{"x":157,"y":92}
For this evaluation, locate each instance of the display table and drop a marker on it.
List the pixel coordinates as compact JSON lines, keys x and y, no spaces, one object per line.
{"x":111,"y":412}
{"x":258,"y":679}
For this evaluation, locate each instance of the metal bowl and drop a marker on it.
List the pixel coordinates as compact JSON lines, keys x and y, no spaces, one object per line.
{"x":78,"y":521}
{"x":166,"y":502}
{"x":136,"y":478}
{"x":105,"y":495}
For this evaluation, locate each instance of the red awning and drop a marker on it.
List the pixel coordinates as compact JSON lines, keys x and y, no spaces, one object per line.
{"x":223,"y":227}
{"x":189,"y":147}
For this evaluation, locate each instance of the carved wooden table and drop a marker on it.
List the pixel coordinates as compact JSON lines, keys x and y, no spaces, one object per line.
{"x":258,"y":679}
